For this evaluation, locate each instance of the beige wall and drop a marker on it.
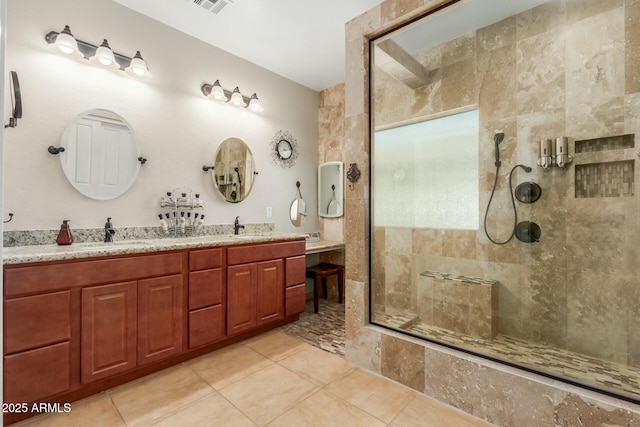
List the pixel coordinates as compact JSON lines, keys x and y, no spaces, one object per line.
{"x":179,"y":130}
{"x":502,"y":395}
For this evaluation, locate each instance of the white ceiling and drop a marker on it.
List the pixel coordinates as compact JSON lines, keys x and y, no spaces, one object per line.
{"x":301,"y":40}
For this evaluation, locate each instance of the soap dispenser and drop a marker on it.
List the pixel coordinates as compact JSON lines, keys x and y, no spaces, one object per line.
{"x":64,"y":235}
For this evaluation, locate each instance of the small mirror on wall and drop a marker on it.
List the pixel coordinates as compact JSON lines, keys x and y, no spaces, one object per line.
{"x":330,"y":189}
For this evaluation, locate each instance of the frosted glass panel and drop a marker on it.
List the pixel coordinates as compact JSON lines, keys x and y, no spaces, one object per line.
{"x":426,"y":174}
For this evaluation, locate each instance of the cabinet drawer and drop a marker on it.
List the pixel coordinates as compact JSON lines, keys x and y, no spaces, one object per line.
{"x":36,"y":374}
{"x":64,"y":275}
{"x":205,"y":288}
{"x":206,"y":326}
{"x":205,"y":259}
{"x":36,"y":321}
{"x":295,"y":299}
{"x":263,"y":252}
{"x":296,"y":270}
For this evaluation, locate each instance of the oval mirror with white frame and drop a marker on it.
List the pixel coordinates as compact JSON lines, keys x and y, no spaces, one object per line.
{"x":100,"y":157}
{"x":330,"y":189}
{"x":233,"y":170}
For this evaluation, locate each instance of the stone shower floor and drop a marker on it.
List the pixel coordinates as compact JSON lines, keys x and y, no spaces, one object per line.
{"x":605,"y":375}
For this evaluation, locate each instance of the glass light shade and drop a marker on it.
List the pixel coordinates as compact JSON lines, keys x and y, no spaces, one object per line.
{"x":217,"y":92}
{"x":138,"y":68}
{"x":254,"y":104}
{"x":66,"y":43}
{"x":104,"y":56}
{"x":236,"y":98}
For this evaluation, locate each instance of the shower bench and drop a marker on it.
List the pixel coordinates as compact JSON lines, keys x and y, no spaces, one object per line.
{"x":461,"y":304}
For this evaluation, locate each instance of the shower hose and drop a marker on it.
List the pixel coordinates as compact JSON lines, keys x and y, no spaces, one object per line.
{"x":513,"y":203}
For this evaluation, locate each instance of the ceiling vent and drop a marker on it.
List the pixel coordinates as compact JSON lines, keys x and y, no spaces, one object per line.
{"x":213,"y":6}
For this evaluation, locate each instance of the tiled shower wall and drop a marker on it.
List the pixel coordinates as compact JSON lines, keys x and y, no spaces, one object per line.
{"x":555,"y":70}
{"x":503,"y":395}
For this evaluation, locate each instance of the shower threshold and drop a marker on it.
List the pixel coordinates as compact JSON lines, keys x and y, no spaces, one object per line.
{"x":593,"y":372}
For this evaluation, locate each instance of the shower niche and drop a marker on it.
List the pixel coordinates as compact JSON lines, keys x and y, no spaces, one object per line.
{"x":607,"y":167}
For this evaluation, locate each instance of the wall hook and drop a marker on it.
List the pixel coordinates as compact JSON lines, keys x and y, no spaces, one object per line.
{"x":10,"y":218}
{"x":142,"y":160}
{"x":55,"y":150}
{"x":353,"y":175}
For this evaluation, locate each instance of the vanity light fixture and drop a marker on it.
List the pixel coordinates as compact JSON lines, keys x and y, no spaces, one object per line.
{"x":64,"y":42}
{"x":234,"y":98}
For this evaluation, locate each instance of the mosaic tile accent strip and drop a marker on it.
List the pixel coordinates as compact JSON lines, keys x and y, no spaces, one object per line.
{"x":605,"y":375}
{"x":618,"y":142}
{"x":611,"y":179}
{"x":324,"y":330}
{"x":455,"y":278}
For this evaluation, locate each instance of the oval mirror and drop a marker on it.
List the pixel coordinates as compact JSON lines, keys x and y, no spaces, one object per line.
{"x":298,"y":209}
{"x":233,"y":170}
{"x":100,"y":157}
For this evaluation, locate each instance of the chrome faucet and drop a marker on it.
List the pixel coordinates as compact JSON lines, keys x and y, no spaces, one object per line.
{"x":108,"y":231}
{"x":237,"y":226}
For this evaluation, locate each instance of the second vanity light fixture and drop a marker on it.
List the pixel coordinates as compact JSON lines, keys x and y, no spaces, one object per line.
{"x":102,"y":55}
{"x":235,"y":98}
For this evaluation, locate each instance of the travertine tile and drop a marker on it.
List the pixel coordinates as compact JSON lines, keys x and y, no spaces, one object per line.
{"x":212,"y":410}
{"x":158,"y":395}
{"x":403,"y":361}
{"x":268,"y":393}
{"x":227,"y":365}
{"x":275,"y":345}
{"x":317,"y":366}
{"x":95,"y":410}
{"x":372,"y":394}
{"x":325,"y":409}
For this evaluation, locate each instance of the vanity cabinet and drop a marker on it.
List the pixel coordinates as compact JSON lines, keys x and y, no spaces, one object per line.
{"x":75,"y":327}
{"x":256,"y":279}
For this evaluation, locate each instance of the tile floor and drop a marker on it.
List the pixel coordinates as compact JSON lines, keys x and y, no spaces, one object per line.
{"x":269,"y":380}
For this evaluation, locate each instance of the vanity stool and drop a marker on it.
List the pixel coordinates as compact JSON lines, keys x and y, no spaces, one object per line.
{"x":319,"y":274}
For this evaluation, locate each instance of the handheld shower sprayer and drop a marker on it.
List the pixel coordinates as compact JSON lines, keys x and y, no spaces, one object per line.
{"x":497,"y":139}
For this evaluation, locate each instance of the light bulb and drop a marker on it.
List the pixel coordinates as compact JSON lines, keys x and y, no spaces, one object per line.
{"x":218,"y":92}
{"x":254,"y":104}
{"x":104,"y":56}
{"x":137,"y":67}
{"x":236,"y":98}
{"x":66,"y":43}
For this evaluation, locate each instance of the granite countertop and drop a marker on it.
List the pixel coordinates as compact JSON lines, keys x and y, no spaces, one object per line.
{"x":40,"y":253}
{"x":323,"y":246}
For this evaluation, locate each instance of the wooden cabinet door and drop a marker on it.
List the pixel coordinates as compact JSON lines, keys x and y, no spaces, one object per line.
{"x":270,"y":291}
{"x":241,"y":297}
{"x":159,"y":318}
{"x":108,"y":330}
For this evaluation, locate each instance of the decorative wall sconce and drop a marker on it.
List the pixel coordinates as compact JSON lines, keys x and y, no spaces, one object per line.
{"x":353,"y":175}
{"x":235,"y":98}
{"x":102,"y":55}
